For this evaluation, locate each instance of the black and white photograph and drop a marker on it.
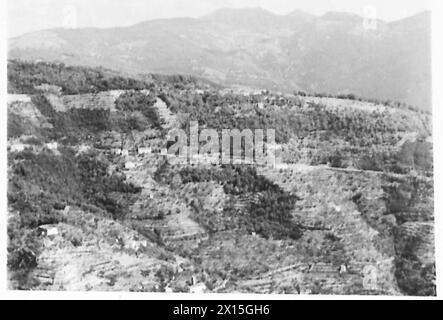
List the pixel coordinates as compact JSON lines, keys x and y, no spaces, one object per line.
{"x":206,"y":147}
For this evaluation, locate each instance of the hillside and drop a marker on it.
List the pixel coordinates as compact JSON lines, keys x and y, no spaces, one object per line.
{"x":94,"y":203}
{"x":332,"y":53}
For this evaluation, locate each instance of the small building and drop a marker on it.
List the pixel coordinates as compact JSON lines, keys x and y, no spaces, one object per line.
{"x":144,"y":150}
{"x":130,"y":165}
{"x":117,"y":151}
{"x":52,"y":145}
{"x":83,"y":148}
{"x":343,"y":269}
{"x":48,"y":231}
{"x":17,"y":147}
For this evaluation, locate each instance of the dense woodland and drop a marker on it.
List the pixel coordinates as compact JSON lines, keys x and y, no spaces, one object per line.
{"x":24,"y":77}
{"x":269,"y":215}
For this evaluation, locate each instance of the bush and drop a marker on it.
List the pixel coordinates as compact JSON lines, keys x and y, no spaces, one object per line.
{"x":372,"y":162}
{"x":336,"y":160}
{"x":272,"y":217}
{"x":414,"y":278}
{"x":415,"y":155}
{"x":23,"y":249}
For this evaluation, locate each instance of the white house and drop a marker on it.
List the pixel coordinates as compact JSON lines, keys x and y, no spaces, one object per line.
{"x":17,"y":147}
{"x":52,"y":145}
{"x":130,"y":165}
{"x":144,"y":150}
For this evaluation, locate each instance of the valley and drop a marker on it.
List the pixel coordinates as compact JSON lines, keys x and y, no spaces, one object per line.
{"x":329,"y":54}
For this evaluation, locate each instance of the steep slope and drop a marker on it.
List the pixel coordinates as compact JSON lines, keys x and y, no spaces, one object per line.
{"x":95,"y":204}
{"x":333,"y":53}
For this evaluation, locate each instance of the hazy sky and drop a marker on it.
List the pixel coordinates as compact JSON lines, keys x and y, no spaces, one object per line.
{"x":30,"y":15}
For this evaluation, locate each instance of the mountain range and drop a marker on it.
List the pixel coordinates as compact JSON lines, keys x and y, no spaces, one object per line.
{"x":333,"y":53}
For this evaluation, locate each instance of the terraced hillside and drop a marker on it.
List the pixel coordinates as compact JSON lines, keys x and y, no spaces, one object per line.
{"x":95,"y":202}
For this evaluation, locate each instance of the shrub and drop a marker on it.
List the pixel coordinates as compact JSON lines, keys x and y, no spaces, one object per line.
{"x":23,"y":249}
{"x":414,"y":278}
{"x":336,"y":160}
{"x":372,"y":162}
{"x":415,"y":155}
{"x":271,"y":216}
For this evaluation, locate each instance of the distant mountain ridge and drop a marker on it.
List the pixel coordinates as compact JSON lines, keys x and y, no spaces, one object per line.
{"x":333,"y":53}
